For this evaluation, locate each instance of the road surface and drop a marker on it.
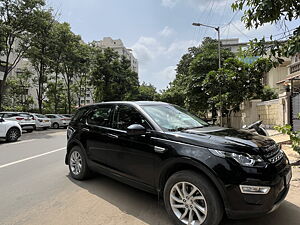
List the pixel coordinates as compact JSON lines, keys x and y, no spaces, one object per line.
{"x":36,"y":189}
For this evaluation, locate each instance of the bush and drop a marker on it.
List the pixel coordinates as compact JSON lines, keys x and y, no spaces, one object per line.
{"x":294,"y":135}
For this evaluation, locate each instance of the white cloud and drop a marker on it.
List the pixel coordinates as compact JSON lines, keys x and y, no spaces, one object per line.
{"x":146,"y":48}
{"x":166,"y":32}
{"x":168,"y":73}
{"x":202,"y":5}
{"x":169,"y":3}
{"x":157,"y":61}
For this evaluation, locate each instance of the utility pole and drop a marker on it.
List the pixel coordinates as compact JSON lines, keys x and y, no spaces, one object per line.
{"x":219,"y":53}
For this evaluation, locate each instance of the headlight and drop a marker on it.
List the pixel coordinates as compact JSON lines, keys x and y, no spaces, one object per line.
{"x":242,"y":159}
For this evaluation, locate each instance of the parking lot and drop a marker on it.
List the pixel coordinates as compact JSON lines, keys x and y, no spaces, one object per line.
{"x":36,"y":189}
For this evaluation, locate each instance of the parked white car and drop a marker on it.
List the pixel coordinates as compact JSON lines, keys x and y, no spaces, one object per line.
{"x":41,"y":121}
{"x":25,"y":120}
{"x":10,"y":130}
{"x":57,"y":121}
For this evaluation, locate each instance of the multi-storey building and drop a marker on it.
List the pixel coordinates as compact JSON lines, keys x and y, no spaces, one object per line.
{"x":118,"y":46}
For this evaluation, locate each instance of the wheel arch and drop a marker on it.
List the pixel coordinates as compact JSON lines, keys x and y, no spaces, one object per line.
{"x":9,"y":128}
{"x":71,"y":145}
{"x":180,"y":164}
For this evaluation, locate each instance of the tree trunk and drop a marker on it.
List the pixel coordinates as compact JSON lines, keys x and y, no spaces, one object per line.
{"x":55,"y":92}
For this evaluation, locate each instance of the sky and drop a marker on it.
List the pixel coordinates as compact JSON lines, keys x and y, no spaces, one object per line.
{"x":158,"y":31}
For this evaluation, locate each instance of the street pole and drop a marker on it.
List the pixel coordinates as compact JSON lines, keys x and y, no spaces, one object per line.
{"x":219,"y":54}
{"x":219,"y":46}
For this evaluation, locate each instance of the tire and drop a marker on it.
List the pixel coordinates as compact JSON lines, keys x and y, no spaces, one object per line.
{"x":205,"y":200}
{"x":55,"y":126}
{"x":13,"y":134}
{"x":77,"y":172}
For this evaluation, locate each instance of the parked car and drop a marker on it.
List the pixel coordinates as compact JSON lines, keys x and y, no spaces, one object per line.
{"x":202,"y":171}
{"x":41,"y":121}
{"x":57,"y":121}
{"x":25,"y":120}
{"x":66,"y":118}
{"x":68,"y":115}
{"x":10,"y":130}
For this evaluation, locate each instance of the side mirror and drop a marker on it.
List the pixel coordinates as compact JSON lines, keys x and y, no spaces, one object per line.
{"x":136,"y":130}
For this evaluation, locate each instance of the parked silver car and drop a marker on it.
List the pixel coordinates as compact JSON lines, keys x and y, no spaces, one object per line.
{"x":57,"y":121}
{"x":41,"y":121}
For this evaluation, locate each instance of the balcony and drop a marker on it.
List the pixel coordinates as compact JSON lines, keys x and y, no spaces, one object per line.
{"x":295,"y":67}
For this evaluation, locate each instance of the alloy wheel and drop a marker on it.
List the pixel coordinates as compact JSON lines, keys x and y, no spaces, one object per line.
{"x":75,"y":162}
{"x":188,"y":203}
{"x":13,"y":135}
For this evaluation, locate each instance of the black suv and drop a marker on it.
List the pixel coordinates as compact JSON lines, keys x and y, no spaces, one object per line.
{"x":200,"y":170}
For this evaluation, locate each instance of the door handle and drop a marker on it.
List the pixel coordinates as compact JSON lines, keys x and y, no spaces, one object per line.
{"x":112,"y":135}
{"x":85,"y":129}
{"x":159,"y":149}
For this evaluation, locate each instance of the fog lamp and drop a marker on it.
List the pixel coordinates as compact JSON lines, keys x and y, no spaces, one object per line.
{"x":260,"y":190}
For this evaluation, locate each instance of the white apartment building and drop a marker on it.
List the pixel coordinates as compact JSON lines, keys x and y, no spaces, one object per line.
{"x":118,"y":46}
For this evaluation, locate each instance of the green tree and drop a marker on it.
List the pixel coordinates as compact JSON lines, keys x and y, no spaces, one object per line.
{"x":17,"y":19}
{"x":39,"y":53}
{"x":56,"y":97}
{"x":259,"y":12}
{"x":82,"y":78}
{"x":205,"y":61}
{"x":61,"y":34}
{"x":268,"y":93}
{"x":234,"y":83}
{"x":71,"y":61}
{"x":147,"y":92}
{"x":17,"y":90}
{"x":112,"y":76}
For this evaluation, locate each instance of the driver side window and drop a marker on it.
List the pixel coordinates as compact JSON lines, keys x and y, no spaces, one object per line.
{"x":126,"y":115}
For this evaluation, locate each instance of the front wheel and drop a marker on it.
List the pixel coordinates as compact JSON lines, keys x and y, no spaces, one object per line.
{"x":190,"y":198}
{"x":78,"y":167}
{"x":13,"y":134}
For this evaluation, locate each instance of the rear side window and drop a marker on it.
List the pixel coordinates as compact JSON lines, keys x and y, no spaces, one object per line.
{"x":8,"y":115}
{"x":100,"y":115}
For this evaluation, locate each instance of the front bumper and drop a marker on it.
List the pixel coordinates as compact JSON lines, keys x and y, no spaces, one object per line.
{"x":253,"y":205}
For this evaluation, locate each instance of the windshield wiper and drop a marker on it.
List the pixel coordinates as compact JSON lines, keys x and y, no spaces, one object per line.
{"x":185,"y":128}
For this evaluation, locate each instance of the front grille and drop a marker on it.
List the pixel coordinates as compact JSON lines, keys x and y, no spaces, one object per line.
{"x":273,"y":153}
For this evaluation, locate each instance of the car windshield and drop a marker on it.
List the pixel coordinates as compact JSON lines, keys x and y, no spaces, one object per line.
{"x":173,"y":118}
{"x":40,"y":116}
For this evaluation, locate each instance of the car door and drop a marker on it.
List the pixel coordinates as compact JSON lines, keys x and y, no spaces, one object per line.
{"x":132,"y":156}
{"x":94,"y":133}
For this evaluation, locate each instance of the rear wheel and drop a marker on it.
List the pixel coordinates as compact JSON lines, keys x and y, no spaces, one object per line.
{"x":78,"y":167}
{"x":13,"y":134}
{"x":191,"y":199}
{"x":55,"y":125}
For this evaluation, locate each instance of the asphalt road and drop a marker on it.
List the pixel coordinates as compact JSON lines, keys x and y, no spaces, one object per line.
{"x":35,"y":189}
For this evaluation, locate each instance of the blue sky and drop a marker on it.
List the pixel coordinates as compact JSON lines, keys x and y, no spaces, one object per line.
{"x":158,"y":31}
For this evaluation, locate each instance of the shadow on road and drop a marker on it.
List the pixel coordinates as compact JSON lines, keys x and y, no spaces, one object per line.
{"x":145,"y":206}
{"x":39,"y":134}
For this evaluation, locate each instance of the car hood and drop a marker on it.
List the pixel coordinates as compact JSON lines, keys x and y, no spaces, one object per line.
{"x":225,"y":139}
